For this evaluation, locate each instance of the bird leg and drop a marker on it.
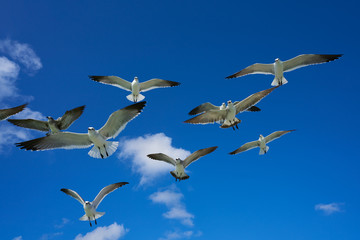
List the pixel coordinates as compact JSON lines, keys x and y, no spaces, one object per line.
{"x":236,"y":126}
{"x":100,"y":152}
{"x":106,"y":151}
{"x":90,"y":221}
{"x":95,"y":220}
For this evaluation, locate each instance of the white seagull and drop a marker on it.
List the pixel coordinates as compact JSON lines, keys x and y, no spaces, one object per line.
{"x":5,"y":113}
{"x":278,"y":68}
{"x":90,"y":207}
{"x":135,"y":87}
{"x":180,"y":165}
{"x":227,"y":116}
{"x":51,"y":125}
{"x":102,"y":148}
{"x":261,"y":143}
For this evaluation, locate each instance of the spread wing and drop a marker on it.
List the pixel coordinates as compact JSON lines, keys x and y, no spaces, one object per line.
{"x":5,"y":113}
{"x":254,"y":69}
{"x":105,"y":191}
{"x":252,"y":100}
{"x":69,"y":117}
{"x":118,"y":120}
{"x":210,"y":116}
{"x":156,"y":83}
{"x":65,"y":140}
{"x":203,"y":108}
{"x":31,"y":123}
{"x":112,"y":80}
{"x":198,"y":154}
{"x":245,"y":147}
{"x":276,"y":135}
{"x":73,"y":194}
{"x":162,"y":157}
{"x":308,"y":59}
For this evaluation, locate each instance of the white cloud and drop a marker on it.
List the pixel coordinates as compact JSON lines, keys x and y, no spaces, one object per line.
{"x":328,"y":209}
{"x":112,"y":232}
{"x":22,"y":53}
{"x":137,"y":150}
{"x":181,"y":235}
{"x":171,"y":197}
{"x":64,"y":221}
{"x":18,"y":238}
{"x":9,"y":72}
{"x":49,"y":236}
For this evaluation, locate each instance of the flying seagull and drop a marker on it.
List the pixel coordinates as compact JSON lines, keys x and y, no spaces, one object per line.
{"x":134,"y":87}
{"x":227,"y":116}
{"x":51,"y":126}
{"x":5,"y":113}
{"x":102,"y":148}
{"x":90,"y":207}
{"x":261,"y":143}
{"x":278,"y":68}
{"x":180,"y":165}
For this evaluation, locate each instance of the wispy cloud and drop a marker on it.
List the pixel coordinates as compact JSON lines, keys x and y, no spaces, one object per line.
{"x":49,"y":236}
{"x":180,"y":235}
{"x":9,"y":72}
{"x":328,"y":209}
{"x":112,"y":232}
{"x":172,"y":197}
{"x":137,"y":150}
{"x":18,"y":238}
{"x":64,"y":221}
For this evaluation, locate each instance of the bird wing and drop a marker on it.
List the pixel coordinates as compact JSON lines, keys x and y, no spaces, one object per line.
{"x":73,"y":194}
{"x":308,"y":59}
{"x":31,"y":123}
{"x":276,"y":135}
{"x":118,"y":120}
{"x":254,"y":69}
{"x":252,"y":100}
{"x":65,"y":140}
{"x":69,"y":117}
{"x":156,"y":83}
{"x":203,"y":108}
{"x":5,"y":113}
{"x":198,"y":154}
{"x":245,"y":147}
{"x":162,"y":157}
{"x":253,"y":109}
{"x":210,"y":116}
{"x":113,"y":80}
{"x":105,"y":191}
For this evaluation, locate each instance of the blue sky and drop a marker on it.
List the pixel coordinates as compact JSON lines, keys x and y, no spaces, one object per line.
{"x":306,"y":187}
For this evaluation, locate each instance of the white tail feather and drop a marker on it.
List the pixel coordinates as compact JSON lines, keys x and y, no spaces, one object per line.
{"x":276,"y":82}
{"x":262,"y":152}
{"x":110,"y":149}
{"x":227,"y":124}
{"x":97,"y":215}
{"x":137,"y":98}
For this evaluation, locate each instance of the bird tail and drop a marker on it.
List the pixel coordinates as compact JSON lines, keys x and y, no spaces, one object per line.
{"x":262,"y":152}
{"x":138,"y":98}
{"x":277,"y":82}
{"x":227,"y":123}
{"x":180,"y":178}
{"x":110,"y":149}
{"x":97,"y":215}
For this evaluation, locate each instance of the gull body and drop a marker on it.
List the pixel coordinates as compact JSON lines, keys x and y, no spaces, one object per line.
{"x":90,"y":207}
{"x":135,"y":87}
{"x":279,"y":67}
{"x":99,"y":138}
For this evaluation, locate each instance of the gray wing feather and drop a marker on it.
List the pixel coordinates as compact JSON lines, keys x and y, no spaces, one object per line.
{"x":156,"y":83}
{"x":118,"y":119}
{"x":252,"y":100}
{"x":65,"y":140}
{"x":276,"y":135}
{"x":308,"y":59}
{"x":69,"y":117}
{"x":162,"y":157}
{"x":112,"y":80}
{"x":198,"y":154}
{"x":105,"y":191}
{"x":203,"y":108}
{"x":254,"y":69}
{"x":210,"y":116}
{"x":31,"y":123}
{"x":73,"y":194}
{"x":245,"y":147}
{"x":5,"y":113}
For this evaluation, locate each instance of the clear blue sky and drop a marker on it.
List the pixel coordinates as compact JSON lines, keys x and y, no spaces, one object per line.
{"x":197,"y":43}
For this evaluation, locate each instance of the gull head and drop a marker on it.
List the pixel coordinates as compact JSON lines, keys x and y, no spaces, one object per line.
{"x":229,"y":101}
{"x":178,"y":160}
{"x":136,"y":78}
{"x":87,"y":203}
{"x":261,"y":136}
{"x":222,"y":105}
{"x":49,"y":118}
{"x":277,"y":59}
{"x":91,"y":129}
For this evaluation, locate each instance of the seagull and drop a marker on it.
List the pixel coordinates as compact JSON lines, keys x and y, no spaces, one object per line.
{"x":227,"y":116}
{"x":261,"y":143}
{"x":278,"y":68}
{"x":209,"y":106}
{"x":134,"y":87}
{"x":5,"y":113}
{"x":51,"y":126}
{"x":102,"y":148}
{"x":90,"y":207}
{"x":180,"y":165}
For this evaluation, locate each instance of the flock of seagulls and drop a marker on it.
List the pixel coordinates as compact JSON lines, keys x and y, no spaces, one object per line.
{"x":206,"y":113}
